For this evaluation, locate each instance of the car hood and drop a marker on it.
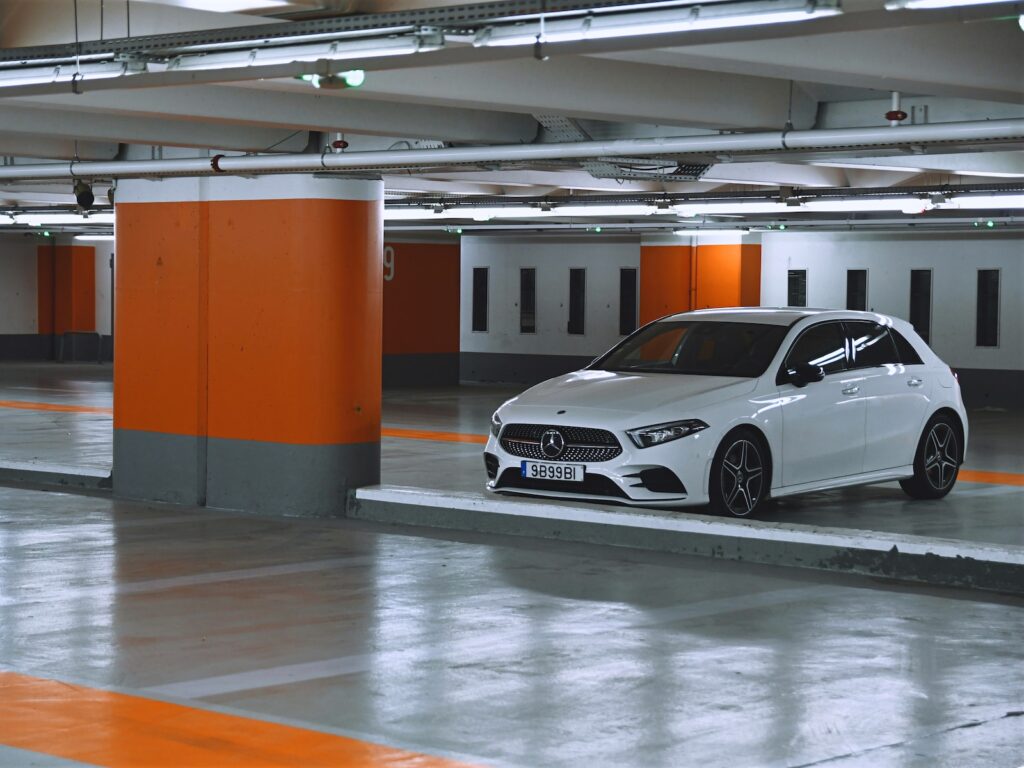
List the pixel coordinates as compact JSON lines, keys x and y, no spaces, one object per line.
{"x":611,"y":396}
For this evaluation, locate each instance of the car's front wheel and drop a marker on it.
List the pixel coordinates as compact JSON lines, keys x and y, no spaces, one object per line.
{"x":937,"y":461}
{"x":740,"y":474}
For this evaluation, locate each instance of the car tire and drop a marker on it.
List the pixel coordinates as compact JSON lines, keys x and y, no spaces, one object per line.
{"x":937,"y":460}
{"x":740,"y":474}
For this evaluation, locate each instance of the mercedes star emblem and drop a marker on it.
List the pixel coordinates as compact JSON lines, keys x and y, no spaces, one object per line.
{"x":552,"y":443}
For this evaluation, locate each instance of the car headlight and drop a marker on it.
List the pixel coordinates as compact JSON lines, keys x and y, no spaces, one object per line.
{"x":495,"y":424}
{"x":656,"y":434}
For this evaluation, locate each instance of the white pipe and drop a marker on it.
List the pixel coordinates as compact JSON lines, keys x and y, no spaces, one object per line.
{"x":773,"y":141}
{"x":895,"y":108}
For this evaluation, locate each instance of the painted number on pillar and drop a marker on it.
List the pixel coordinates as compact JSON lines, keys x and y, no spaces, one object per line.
{"x":389,"y":263}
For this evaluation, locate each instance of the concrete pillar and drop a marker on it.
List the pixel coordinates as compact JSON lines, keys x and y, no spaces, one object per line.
{"x":421,"y":313}
{"x":680,"y":274}
{"x":248,"y":336}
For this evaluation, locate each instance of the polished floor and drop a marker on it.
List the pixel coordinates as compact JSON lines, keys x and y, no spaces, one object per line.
{"x":61,"y":415}
{"x":149,"y":635}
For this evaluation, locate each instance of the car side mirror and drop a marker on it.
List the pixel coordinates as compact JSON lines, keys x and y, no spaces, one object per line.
{"x":802,"y":374}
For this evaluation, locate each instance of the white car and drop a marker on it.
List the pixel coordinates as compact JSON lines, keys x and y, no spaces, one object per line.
{"x":734,"y":406}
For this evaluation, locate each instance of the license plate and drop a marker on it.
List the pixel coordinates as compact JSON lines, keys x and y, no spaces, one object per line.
{"x":571,"y":473}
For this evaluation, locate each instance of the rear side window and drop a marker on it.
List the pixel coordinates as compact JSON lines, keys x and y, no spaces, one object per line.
{"x":908,"y":355}
{"x":871,"y":345}
{"x":823,"y":345}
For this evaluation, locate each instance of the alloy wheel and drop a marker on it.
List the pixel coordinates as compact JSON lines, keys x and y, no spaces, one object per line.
{"x":941,"y":457}
{"x":742,"y":477}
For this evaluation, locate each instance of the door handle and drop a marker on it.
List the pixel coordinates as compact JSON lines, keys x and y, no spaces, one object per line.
{"x":851,"y":390}
{"x":914,"y":382}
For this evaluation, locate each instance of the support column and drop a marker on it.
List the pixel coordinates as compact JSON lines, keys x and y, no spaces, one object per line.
{"x":664,"y":278}
{"x":248,"y":333}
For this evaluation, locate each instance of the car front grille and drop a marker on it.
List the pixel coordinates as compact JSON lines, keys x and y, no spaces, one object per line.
{"x":582,"y":444}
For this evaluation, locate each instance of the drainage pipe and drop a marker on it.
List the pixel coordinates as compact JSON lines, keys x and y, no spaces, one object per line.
{"x":837,"y":139}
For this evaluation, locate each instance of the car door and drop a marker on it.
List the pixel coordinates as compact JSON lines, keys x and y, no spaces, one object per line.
{"x":823,"y":421}
{"x":897,"y":395}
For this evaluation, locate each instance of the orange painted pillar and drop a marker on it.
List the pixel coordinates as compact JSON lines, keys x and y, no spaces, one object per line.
{"x":66,"y":288}
{"x":664,"y":280}
{"x":421,"y":313}
{"x":727,"y":275}
{"x":248,"y":330}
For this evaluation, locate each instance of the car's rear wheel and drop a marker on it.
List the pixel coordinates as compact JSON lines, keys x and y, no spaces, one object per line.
{"x":937,"y":461}
{"x":740,"y":474}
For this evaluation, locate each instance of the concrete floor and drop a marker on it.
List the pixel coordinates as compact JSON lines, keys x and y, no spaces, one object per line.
{"x":473,"y":648}
{"x":497,"y":652}
{"x":973,"y":511}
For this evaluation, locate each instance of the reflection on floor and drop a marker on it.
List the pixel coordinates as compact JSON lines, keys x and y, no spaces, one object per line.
{"x":286,"y":641}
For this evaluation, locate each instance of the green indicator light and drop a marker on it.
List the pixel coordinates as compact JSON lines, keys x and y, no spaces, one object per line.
{"x":45,"y":233}
{"x":990,"y":223}
{"x":597,"y":229}
{"x":458,"y":231}
{"x":782,"y":226}
{"x":354,"y":78}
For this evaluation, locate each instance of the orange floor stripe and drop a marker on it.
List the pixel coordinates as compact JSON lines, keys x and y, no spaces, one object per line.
{"x":422,"y":434}
{"x":996,"y":478}
{"x":117,"y":730}
{"x":27,"y":405}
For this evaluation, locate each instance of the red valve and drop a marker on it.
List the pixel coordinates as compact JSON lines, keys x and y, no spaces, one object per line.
{"x":896,"y":114}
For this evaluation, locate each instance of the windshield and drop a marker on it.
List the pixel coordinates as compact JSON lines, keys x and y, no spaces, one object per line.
{"x":697,"y":347}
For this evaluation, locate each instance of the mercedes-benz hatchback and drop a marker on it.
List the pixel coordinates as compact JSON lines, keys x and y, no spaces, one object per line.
{"x":734,"y":406}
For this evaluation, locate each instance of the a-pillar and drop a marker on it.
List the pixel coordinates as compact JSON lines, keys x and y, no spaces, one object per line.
{"x":248,"y":333}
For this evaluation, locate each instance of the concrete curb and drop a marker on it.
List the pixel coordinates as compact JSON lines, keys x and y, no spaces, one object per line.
{"x":54,"y":477}
{"x":945,"y":562}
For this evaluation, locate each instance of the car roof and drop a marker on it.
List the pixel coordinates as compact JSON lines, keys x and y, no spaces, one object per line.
{"x":774,"y":315}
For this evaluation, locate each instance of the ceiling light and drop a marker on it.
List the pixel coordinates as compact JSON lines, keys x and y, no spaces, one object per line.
{"x":739,"y":207}
{"x":67,"y":73}
{"x":55,"y":219}
{"x":339,"y":50}
{"x":647,"y":22}
{"x":987,"y":201}
{"x":710,"y":232}
{"x":232,"y":6}
{"x":96,"y":238}
{"x":897,"y":5}
{"x":869,"y":167}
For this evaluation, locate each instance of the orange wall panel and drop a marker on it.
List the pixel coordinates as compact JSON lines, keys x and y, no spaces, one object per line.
{"x":159,"y":329}
{"x":664,"y":280}
{"x":718,"y":276}
{"x":66,"y":288}
{"x":421,"y":300}
{"x":295,"y":321}
{"x":750,"y":275}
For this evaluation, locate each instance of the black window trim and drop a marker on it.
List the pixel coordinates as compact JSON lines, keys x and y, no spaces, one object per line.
{"x":846,"y":357}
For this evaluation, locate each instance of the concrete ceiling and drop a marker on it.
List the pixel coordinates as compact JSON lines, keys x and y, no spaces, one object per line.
{"x":951,"y":66}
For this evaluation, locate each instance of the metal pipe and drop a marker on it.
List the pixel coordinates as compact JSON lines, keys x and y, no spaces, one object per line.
{"x":772,"y":141}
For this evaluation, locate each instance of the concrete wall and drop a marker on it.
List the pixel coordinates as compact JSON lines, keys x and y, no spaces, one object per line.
{"x":988,"y":374}
{"x":502,"y":353}
{"x":17,"y":285}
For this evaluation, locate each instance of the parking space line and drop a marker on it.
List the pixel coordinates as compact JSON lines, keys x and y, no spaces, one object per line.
{"x":106,"y":728}
{"x":29,"y":405}
{"x":993,"y":478}
{"x":423,"y":434}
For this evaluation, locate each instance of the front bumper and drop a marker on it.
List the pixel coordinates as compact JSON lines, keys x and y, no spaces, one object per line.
{"x":624,"y":479}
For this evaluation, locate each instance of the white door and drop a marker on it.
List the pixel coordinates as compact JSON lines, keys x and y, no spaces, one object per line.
{"x":822,"y":422}
{"x":897,"y":396}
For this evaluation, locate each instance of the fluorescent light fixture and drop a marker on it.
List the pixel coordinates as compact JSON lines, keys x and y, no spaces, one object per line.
{"x":688,"y":210}
{"x":483,"y":213}
{"x":339,"y":50}
{"x":992,"y":174}
{"x":95,"y":238}
{"x":864,"y":204}
{"x":636,"y":23}
{"x":65,"y":73}
{"x":974,"y":202}
{"x":710,"y":232}
{"x":231,"y":6}
{"x":917,"y":5}
{"x":869,"y":167}
{"x":55,"y":219}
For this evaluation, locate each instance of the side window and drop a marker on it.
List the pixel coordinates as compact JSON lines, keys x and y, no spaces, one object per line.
{"x":871,"y":345}
{"x":823,"y":345}
{"x":908,"y":355}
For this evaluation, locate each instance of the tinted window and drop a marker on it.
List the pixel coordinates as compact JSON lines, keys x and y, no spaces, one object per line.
{"x":857,"y":289}
{"x":908,"y":355}
{"x":577,"y":298}
{"x":697,"y":347}
{"x":987,"y":329}
{"x":528,"y":300}
{"x":627,"y":301}
{"x":822,"y":345}
{"x":871,"y":345}
{"x":480,"y":298}
{"x":796,"y":288}
{"x":921,"y":302}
